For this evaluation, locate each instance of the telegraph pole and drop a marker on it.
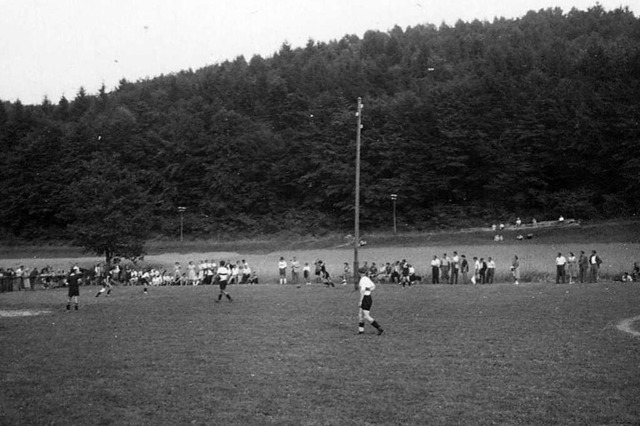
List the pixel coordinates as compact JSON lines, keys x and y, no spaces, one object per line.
{"x":394,"y":197}
{"x":181,"y":210}
{"x":356,"y":238}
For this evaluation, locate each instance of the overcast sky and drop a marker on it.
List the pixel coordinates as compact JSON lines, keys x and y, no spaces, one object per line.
{"x":53,"y":47}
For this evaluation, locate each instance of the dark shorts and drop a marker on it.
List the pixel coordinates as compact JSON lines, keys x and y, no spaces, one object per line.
{"x":223,"y":285}
{"x":306,"y":274}
{"x":366,"y":303}
{"x":74,"y":291}
{"x":283,"y":272}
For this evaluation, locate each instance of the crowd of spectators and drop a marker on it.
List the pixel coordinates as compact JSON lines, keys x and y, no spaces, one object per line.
{"x":446,"y":269}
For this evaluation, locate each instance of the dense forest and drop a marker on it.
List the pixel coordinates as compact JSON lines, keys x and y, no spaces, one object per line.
{"x":467,"y":124}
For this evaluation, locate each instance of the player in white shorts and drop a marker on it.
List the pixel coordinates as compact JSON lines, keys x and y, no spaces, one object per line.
{"x":366,"y":288}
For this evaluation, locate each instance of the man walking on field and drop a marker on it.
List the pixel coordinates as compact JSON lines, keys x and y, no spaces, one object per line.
{"x":366,"y":286}
{"x":223,"y":279}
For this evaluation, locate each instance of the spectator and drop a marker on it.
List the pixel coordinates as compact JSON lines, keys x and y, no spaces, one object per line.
{"x":33,"y":275}
{"x":295,"y":270}
{"x":560,"y":268}
{"x":476,"y":271}
{"x":583,"y":267}
{"x":413,"y":277}
{"x":515,"y":270}
{"x":346,"y":272}
{"x":572,"y":266}
{"x":464,"y":268}
{"x":26,"y":281}
{"x":395,"y":273}
{"x":483,"y":271}
{"x":455,"y":268}
{"x":594,"y":266}
{"x":435,"y":270}
{"x":445,"y":265}
{"x":191,"y":273}
{"x":306,"y":273}
{"x":246,"y":272}
{"x":282,"y":271}
{"x":635,"y":274}
{"x":491,"y":270}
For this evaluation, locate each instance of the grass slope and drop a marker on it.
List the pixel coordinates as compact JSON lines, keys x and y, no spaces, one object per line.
{"x":501,"y":354}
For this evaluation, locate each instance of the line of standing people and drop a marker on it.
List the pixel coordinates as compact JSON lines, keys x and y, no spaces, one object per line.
{"x":452,"y":270}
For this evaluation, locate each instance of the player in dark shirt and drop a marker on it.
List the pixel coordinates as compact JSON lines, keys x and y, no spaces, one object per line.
{"x":74,"y":279}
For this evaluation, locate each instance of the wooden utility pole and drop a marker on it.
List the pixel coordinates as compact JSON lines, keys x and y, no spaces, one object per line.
{"x":356,"y":238}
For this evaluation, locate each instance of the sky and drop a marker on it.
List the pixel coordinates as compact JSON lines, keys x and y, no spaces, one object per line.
{"x":53,"y":47}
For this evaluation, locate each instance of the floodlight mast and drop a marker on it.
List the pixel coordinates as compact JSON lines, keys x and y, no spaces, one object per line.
{"x":356,"y":238}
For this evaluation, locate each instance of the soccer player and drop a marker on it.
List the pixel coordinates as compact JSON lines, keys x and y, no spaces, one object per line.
{"x":223,"y":278}
{"x":106,"y":285}
{"x":324,"y":274}
{"x":345,"y":273}
{"x":366,"y":287}
{"x":73,"y":281}
{"x":404,"y":268}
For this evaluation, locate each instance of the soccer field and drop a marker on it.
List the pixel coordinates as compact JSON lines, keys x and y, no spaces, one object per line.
{"x":495,"y":354}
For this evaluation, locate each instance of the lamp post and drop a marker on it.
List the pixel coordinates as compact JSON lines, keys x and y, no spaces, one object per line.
{"x":394,"y":197}
{"x":181,"y":210}
{"x":356,"y":239}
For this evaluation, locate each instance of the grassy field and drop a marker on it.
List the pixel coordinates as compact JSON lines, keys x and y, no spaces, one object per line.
{"x":499,"y":354}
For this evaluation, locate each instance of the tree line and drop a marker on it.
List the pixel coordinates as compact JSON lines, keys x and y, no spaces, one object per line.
{"x":475,"y":122}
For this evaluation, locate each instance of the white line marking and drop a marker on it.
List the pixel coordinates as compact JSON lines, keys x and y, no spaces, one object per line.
{"x":626,"y":326}
{"x":21,"y":313}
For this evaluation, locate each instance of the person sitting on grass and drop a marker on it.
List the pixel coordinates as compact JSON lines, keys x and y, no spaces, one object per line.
{"x":253,"y":279}
{"x":626,"y":277}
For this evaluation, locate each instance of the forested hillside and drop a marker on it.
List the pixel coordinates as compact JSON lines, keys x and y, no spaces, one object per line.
{"x":481,"y":121}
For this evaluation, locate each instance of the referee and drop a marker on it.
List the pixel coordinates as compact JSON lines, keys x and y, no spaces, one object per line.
{"x":366,"y":287}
